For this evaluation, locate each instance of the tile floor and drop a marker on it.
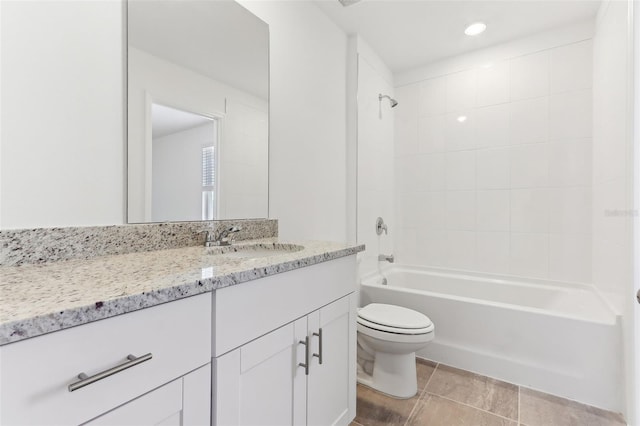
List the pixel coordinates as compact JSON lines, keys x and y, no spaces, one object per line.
{"x":448,"y":396}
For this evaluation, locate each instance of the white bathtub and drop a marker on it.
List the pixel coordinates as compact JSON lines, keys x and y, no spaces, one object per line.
{"x":559,"y":338}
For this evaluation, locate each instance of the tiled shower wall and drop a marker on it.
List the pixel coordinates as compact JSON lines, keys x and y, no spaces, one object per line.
{"x":493,"y":165}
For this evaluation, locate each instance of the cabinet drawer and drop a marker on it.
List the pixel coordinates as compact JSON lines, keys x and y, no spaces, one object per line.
{"x":184,"y":401}
{"x":257,"y":307}
{"x":36,"y":373}
{"x":153,"y":408}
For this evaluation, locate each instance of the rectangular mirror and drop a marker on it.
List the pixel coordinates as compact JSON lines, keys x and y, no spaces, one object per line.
{"x":198,"y":117}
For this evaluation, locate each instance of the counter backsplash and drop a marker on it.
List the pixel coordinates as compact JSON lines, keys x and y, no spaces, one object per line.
{"x":42,"y":245}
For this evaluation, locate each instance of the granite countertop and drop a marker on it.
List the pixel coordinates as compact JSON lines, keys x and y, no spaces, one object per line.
{"x":39,"y":299}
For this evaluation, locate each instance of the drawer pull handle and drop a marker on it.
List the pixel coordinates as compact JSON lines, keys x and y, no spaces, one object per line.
{"x":319,"y":355}
{"x":305,"y":365}
{"x":87,"y":380}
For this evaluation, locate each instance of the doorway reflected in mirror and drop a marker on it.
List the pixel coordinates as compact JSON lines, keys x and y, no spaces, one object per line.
{"x":183,"y":183}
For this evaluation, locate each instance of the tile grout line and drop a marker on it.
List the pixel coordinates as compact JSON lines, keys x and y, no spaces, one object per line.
{"x":475,"y":408}
{"x":421,"y":394}
{"x":430,"y":377}
{"x":519,"y":405}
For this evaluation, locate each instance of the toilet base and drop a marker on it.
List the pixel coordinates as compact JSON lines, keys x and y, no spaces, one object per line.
{"x":393,"y":374}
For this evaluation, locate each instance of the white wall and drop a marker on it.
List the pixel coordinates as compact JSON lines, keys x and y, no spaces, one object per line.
{"x":611,"y":152}
{"x":507,"y":190}
{"x":244,"y":166}
{"x":153,"y":79}
{"x":375,"y":158}
{"x":632,"y":338}
{"x":352,"y":139}
{"x":613,"y":177}
{"x":62,"y":100}
{"x":307,"y":152}
{"x":177,"y":173}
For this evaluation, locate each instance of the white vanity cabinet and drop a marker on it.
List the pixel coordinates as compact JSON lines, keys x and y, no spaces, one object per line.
{"x":271,"y":351}
{"x":171,"y":386}
{"x":270,"y":336}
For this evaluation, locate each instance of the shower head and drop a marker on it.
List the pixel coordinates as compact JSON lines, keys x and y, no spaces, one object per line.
{"x":393,"y":102}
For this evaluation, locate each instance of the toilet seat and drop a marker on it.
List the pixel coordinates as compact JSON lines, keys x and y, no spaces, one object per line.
{"x":395,"y":337}
{"x":394,"y":319}
{"x":394,"y":330}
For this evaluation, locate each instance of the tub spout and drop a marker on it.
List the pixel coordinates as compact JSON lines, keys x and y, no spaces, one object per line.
{"x":386,"y":258}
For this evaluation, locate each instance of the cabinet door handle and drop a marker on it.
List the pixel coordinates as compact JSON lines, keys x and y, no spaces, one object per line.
{"x":319,"y":355}
{"x":305,"y":364}
{"x":87,"y":380}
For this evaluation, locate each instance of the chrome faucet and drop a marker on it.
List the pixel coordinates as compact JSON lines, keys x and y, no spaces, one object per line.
{"x":386,"y":258}
{"x":221,"y":238}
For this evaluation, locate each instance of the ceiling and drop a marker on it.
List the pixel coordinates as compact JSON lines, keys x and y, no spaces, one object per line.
{"x":167,"y":121}
{"x":218,"y":39}
{"x":408,"y":34}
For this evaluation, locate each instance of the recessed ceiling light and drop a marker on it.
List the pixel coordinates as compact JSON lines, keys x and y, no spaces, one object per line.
{"x":462,"y":118}
{"x":475,"y":29}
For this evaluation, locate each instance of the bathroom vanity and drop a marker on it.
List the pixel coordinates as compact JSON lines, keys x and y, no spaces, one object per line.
{"x":224,"y":339}
{"x":313,"y":325}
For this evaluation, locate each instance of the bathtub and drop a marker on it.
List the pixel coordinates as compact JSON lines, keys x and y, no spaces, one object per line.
{"x":559,"y":338}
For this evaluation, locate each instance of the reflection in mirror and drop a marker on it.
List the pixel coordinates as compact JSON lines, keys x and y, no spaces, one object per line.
{"x":197,"y":111}
{"x":183,"y":165}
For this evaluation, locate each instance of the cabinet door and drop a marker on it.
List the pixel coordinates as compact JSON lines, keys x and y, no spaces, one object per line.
{"x":261,"y":383}
{"x":329,"y":393}
{"x":182,"y":402}
{"x":196,"y":397}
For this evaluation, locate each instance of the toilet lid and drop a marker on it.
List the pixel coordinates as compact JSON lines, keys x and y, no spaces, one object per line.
{"x":394,"y":316}
{"x":393,"y":330}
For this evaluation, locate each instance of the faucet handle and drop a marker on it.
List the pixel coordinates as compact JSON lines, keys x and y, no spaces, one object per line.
{"x":208,"y":238}
{"x":232,"y":231}
{"x":380,"y":226}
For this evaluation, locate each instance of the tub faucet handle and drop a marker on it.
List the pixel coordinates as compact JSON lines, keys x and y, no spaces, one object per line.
{"x":381,"y":226}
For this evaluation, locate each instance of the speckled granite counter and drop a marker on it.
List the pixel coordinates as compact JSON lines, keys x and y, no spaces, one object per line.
{"x":39,"y":299}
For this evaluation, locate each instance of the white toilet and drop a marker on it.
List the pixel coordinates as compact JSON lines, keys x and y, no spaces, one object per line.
{"x":388,"y":338}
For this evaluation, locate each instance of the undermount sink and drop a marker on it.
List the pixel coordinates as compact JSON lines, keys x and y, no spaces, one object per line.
{"x":253,"y":251}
